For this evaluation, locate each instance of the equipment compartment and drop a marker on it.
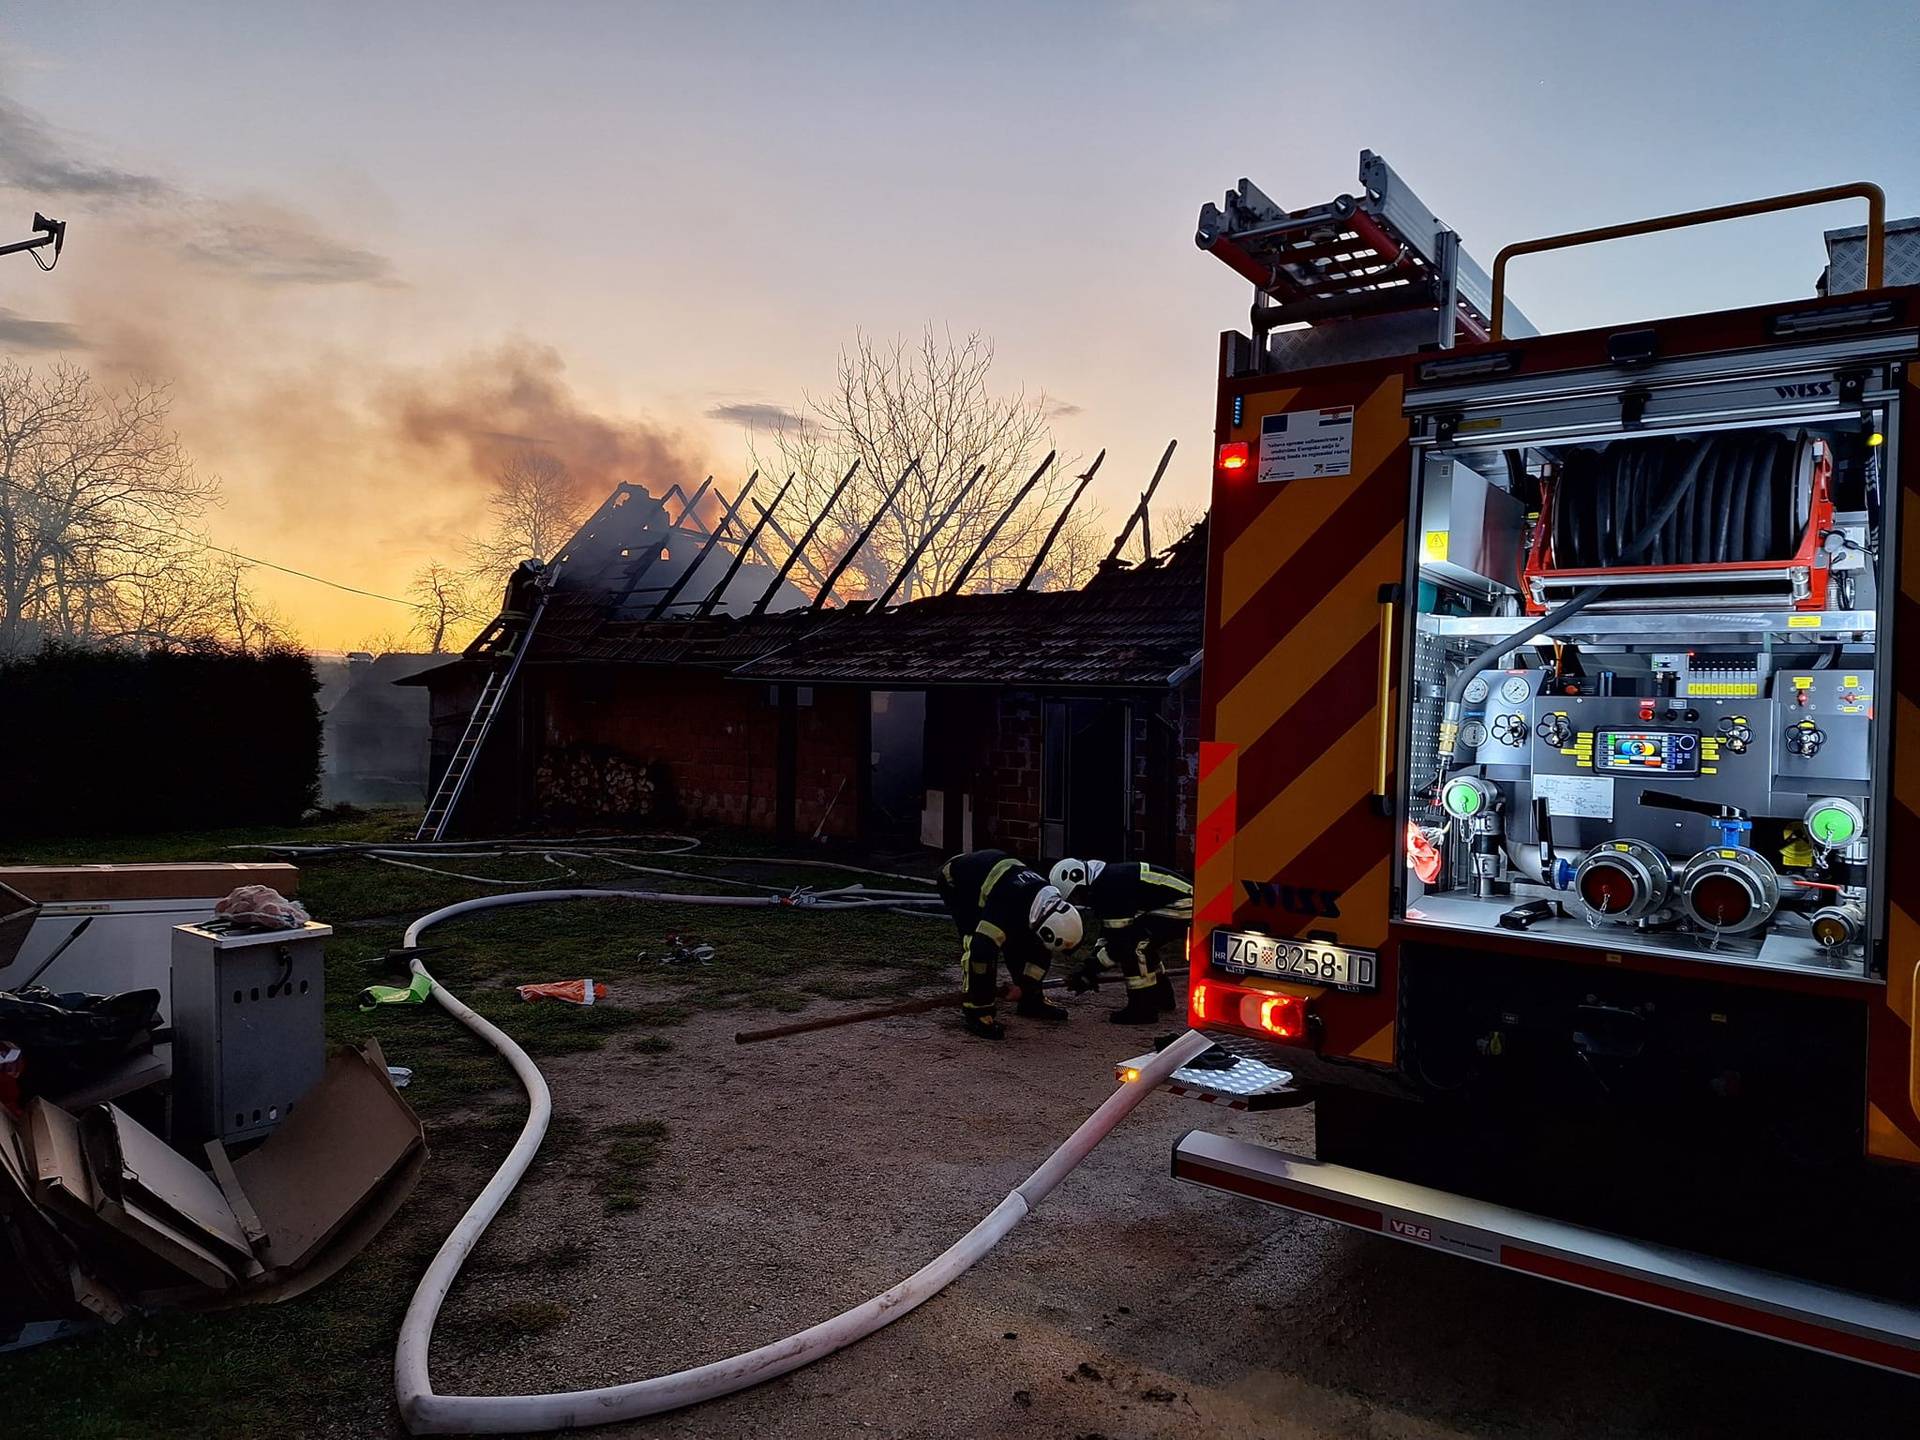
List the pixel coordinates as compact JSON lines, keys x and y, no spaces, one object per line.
{"x":1642,"y":681}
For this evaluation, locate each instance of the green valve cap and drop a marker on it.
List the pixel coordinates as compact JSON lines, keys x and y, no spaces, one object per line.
{"x":1832,"y":826}
{"x":1464,"y":799}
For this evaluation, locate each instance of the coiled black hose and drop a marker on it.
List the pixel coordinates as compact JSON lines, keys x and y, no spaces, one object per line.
{"x":1725,"y":499}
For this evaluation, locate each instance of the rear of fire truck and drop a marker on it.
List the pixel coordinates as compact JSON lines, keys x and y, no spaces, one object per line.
{"x":1560,"y":770}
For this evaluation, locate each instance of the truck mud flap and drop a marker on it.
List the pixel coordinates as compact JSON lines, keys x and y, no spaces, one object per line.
{"x":1777,"y":1307}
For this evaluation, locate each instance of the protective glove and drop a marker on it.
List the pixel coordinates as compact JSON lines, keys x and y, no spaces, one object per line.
{"x":1086,"y":978}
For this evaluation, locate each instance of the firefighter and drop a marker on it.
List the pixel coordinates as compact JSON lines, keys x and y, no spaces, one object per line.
{"x":1004,"y":910}
{"x":1138,"y":908}
{"x":517,"y":607}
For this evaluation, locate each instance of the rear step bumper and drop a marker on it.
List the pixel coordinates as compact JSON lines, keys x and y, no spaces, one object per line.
{"x":1238,"y":1082}
{"x":1835,"y":1322}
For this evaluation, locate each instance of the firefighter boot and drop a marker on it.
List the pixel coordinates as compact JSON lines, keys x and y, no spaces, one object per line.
{"x":985,"y":1026}
{"x":1034,"y":1005}
{"x":1163,"y":995}
{"x":1141,"y":1008}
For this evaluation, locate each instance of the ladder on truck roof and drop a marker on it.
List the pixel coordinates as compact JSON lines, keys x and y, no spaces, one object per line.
{"x":493,"y":694}
{"x":1381,"y":263}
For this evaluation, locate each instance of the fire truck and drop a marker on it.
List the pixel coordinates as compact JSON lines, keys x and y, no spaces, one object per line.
{"x":1558,"y":794}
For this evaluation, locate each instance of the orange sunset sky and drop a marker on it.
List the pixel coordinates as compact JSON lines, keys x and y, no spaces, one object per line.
{"x":370,"y":244}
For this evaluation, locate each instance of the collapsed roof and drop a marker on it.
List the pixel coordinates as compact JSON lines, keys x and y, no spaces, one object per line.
{"x":634,"y":587}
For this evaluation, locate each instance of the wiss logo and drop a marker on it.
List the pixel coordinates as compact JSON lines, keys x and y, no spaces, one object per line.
{"x":1804,"y":390}
{"x":1294,"y":899}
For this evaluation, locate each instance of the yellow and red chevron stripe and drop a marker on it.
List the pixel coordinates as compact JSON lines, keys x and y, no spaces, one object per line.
{"x":1893,"y":1126}
{"x":1288,"y":824}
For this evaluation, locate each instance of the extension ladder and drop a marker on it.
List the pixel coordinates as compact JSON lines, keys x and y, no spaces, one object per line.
{"x":433,"y":825}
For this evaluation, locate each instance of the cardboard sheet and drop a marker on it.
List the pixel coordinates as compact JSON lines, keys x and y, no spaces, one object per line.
{"x":34,"y":1281}
{"x":159,"y":1180}
{"x":168,"y":1242}
{"x":62,"y":1183}
{"x":16,"y":1154}
{"x":344,"y":1142}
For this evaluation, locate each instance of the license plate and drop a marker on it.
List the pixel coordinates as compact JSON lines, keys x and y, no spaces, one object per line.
{"x":1313,"y":961}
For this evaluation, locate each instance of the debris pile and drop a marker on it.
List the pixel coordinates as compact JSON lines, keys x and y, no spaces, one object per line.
{"x":104,"y":1220}
{"x":250,"y":1170}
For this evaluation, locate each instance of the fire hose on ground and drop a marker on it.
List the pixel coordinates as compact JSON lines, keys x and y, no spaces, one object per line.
{"x":426,"y":1412}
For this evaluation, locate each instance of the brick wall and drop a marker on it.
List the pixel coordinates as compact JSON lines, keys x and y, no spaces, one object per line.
{"x":987,"y":744}
{"x":709,"y":745}
{"x":830,"y":761}
{"x":1006,"y":807}
{"x":647,"y":744}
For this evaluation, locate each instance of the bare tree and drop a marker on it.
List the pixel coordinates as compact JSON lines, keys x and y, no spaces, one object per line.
{"x":383,"y":642}
{"x":445,"y":600}
{"x":246,"y":622}
{"x":532,"y":512}
{"x":894,"y":404}
{"x":95,"y":492}
{"x":1174,"y":519}
{"x":1077,"y":551}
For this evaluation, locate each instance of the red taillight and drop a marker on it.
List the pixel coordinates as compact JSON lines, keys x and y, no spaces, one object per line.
{"x":1284,"y":1016}
{"x":1233,"y":457}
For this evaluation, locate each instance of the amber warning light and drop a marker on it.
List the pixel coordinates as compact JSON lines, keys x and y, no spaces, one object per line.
{"x":1233,"y":457}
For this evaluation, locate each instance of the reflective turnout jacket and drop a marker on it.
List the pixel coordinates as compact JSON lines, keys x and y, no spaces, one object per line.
{"x":1126,"y":894}
{"x":990,"y":896}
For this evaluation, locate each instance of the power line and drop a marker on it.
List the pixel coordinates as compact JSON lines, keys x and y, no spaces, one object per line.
{"x":250,"y":559}
{"x":301,"y":574}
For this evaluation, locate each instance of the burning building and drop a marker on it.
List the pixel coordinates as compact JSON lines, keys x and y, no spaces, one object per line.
{"x":679,"y":672}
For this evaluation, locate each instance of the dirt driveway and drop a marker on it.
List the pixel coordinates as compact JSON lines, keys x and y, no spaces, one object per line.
{"x":799,"y":1177}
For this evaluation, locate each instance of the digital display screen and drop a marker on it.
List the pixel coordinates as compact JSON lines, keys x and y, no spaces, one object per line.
{"x":1658,"y":752}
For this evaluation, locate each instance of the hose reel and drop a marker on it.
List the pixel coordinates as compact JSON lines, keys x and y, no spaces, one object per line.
{"x":1740,"y":497}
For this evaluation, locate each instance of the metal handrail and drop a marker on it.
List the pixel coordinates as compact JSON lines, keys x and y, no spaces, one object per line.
{"x":1382,"y":795}
{"x":1876,"y":232}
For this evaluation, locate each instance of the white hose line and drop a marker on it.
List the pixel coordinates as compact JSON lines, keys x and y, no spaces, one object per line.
{"x":386,"y":859}
{"x":606,"y":858}
{"x":427,"y":1413}
{"x":816,"y":865}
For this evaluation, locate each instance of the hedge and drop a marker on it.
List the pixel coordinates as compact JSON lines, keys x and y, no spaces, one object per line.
{"x":96,"y":741}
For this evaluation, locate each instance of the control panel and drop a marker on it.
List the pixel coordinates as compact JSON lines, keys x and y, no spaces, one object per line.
{"x":1589,"y":757}
{"x":1825,"y":720}
{"x":1648,"y":752}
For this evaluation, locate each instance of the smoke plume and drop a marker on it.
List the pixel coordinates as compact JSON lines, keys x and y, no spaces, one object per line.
{"x":353,"y":435}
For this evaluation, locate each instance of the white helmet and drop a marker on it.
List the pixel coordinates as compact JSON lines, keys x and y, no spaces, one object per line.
{"x":1069,"y":875}
{"x":1055,"y":921}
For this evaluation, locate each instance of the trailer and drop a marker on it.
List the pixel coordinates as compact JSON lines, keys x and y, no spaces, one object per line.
{"x":1560,"y":770}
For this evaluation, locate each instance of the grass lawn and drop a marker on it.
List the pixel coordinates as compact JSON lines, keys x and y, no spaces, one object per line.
{"x":323,"y":1363}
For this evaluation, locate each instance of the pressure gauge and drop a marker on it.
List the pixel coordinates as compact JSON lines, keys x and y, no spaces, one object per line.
{"x":1473,"y":734}
{"x":1476,"y":690}
{"x":1515,"y":690}
{"x":1835,"y":823}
